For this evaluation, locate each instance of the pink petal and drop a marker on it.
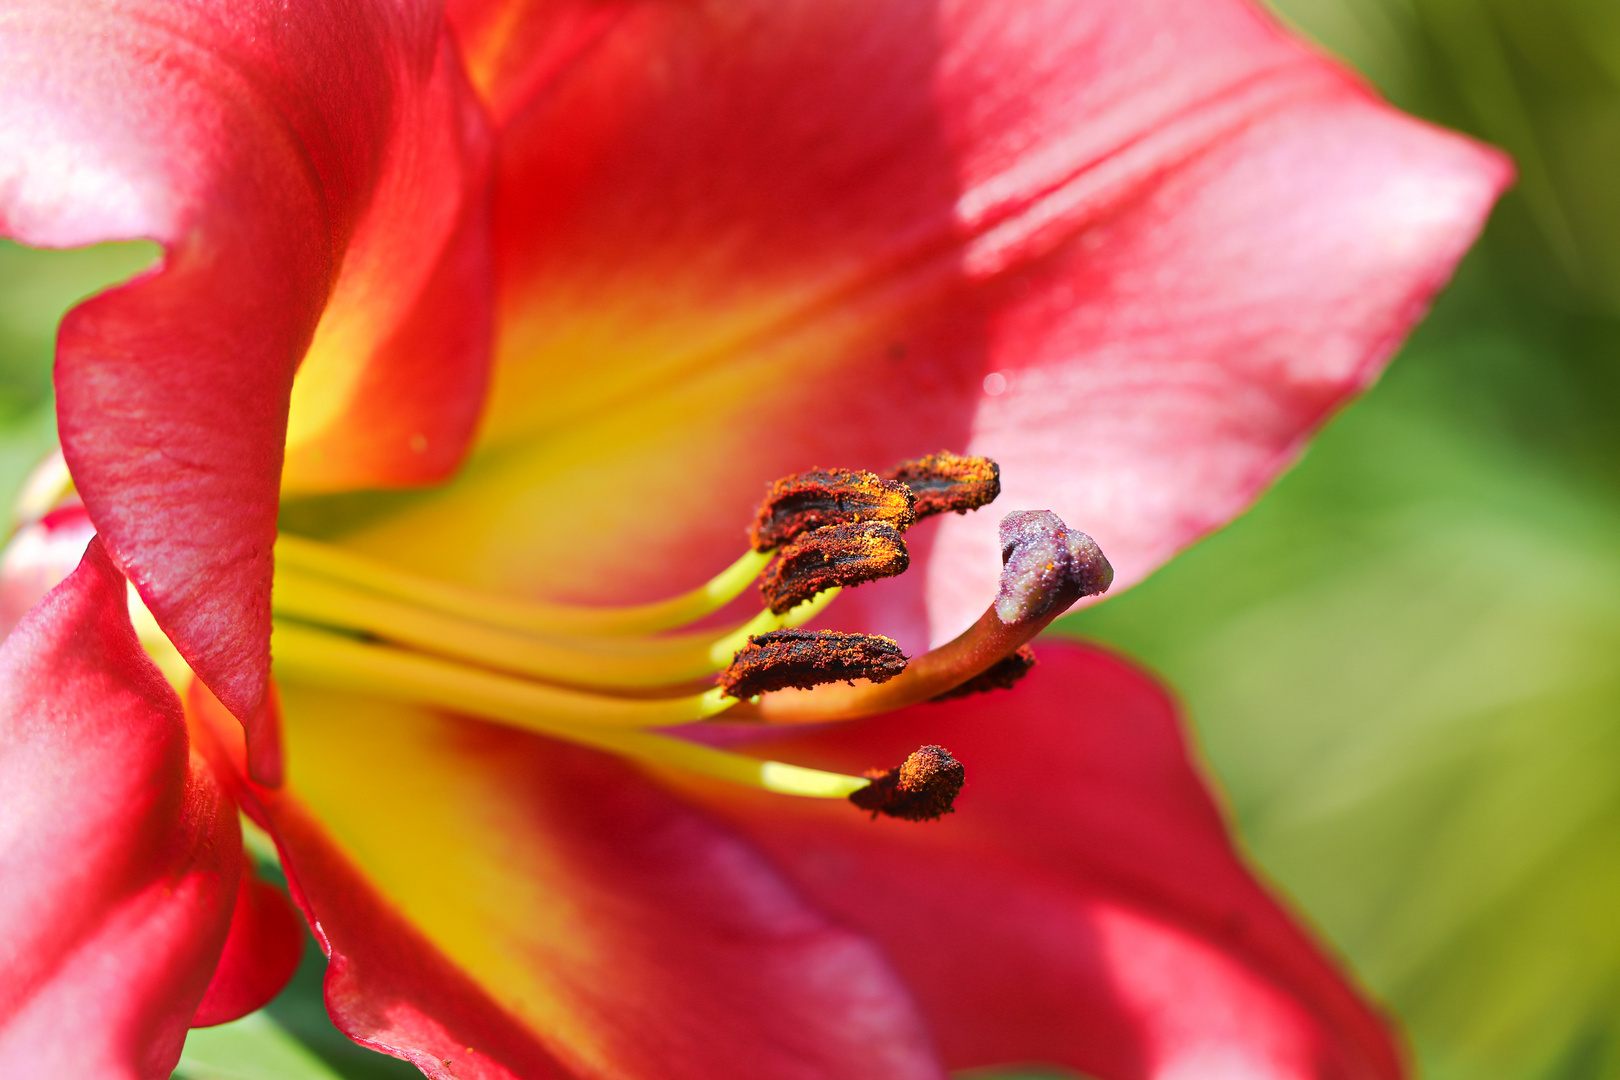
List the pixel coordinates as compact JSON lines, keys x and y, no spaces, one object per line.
{"x":119,"y":852}
{"x":740,"y":240}
{"x":1084,"y":905}
{"x":277,"y":154}
{"x":39,"y":555}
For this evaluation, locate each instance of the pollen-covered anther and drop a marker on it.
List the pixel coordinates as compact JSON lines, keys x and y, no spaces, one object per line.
{"x":808,"y":658}
{"x":1046,"y":564}
{"x":947,"y":481}
{"x":835,"y":556}
{"x":1004,"y":674}
{"x":813,"y":500}
{"x":923,"y":788}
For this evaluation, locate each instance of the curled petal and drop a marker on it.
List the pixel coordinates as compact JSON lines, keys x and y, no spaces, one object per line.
{"x":119,"y":851}
{"x":275,"y":152}
{"x":261,"y":953}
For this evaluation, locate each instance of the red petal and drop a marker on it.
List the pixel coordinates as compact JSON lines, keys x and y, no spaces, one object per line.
{"x":261,"y":953}
{"x":119,"y":852}
{"x":738,"y":240}
{"x":525,"y":908}
{"x":266,"y":148}
{"x":1084,"y":905}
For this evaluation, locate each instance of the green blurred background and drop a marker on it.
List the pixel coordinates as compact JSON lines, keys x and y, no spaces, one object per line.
{"x":1404,"y":664}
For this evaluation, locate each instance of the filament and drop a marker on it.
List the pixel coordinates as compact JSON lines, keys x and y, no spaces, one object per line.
{"x":665,"y":752}
{"x":328,"y":561}
{"x":318,"y":657}
{"x":603,"y":663}
{"x":325,"y":658}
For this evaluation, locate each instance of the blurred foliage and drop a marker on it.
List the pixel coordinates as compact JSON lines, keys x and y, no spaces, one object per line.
{"x":1402,"y":664}
{"x":36,"y":287}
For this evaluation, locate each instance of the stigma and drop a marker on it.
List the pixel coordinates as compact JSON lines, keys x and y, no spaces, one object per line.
{"x":620,"y":678}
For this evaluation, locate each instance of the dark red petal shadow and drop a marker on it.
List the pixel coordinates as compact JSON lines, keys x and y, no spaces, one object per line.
{"x":1084,"y":905}
{"x":254,"y":141}
{"x":120,"y":854}
{"x":261,"y":953}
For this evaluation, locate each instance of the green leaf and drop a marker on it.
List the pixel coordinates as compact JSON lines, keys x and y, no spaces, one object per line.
{"x":252,"y":1048}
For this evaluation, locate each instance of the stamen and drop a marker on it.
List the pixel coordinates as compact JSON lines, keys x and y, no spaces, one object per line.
{"x":836,"y":555}
{"x":809,"y":658}
{"x":1004,"y":674}
{"x":821,"y":497}
{"x":562,"y":620}
{"x":947,"y":481}
{"x":323,"y":658}
{"x":923,"y":788}
{"x":603,"y":663}
{"x":601,"y":676}
{"x":1048,"y":566}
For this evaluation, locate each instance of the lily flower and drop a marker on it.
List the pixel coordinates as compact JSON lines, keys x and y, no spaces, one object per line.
{"x":508,"y":315}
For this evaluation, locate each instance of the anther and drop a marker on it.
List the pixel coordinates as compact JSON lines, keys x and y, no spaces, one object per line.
{"x":923,"y":788}
{"x":1004,"y":674}
{"x":812,"y":500}
{"x":1045,"y":563}
{"x":947,"y":481}
{"x":808,"y":658}
{"x":837,"y":555}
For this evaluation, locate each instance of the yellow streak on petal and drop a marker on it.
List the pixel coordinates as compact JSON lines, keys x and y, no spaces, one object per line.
{"x":424,"y":807}
{"x":451,"y":821}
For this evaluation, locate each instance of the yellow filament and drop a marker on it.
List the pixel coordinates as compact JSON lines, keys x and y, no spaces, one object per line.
{"x":320,"y":657}
{"x":722,"y":652}
{"x":631,"y":663}
{"x":326,"y":560}
{"x":665,"y":752}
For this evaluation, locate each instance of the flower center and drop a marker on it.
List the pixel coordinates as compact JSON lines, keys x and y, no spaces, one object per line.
{"x":609,"y":677}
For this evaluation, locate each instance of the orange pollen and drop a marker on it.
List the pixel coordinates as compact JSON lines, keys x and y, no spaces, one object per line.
{"x":1004,"y":674}
{"x":923,"y":788}
{"x":822,"y":497}
{"x":945,"y":481}
{"x":833,"y":556}
{"x":805,"y":659}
